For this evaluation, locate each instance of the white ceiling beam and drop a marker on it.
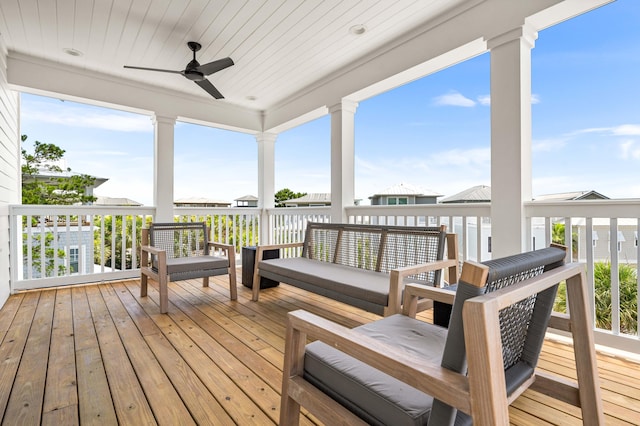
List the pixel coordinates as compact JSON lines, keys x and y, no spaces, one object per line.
{"x":34,"y":75}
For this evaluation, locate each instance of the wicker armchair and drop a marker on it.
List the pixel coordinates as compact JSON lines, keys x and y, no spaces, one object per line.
{"x":181,"y":251}
{"x":402,"y":371}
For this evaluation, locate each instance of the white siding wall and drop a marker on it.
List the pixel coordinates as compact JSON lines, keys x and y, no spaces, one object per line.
{"x":9,"y":167}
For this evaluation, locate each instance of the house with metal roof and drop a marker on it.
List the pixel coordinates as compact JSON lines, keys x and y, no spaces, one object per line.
{"x":314,"y":199}
{"x":247,"y":201}
{"x":475,"y":194}
{"x":404,"y":194}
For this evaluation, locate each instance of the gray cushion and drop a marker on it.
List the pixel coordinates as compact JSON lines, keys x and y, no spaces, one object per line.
{"x":189,"y":264}
{"x":373,"y":395}
{"x":358,"y":283}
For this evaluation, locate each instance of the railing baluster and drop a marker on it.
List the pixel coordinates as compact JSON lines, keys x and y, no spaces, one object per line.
{"x":615,"y":277}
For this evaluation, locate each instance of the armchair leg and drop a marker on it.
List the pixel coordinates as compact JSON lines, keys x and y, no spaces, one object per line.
{"x":143,"y":285}
{"x":295,"y":342}
{"x":256,"y":277}
{"x":233,"y":285}
{"x":205,"y":282}
{"x":585,"y":354}
{"x":164,"y":294}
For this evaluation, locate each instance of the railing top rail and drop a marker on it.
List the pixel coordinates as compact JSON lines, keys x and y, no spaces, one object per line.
{"x":453,"y":209}
{"x":181,"y":211}
{"x":285,"y":211}
{"x":628,"y":208}
{"x":35,"y":209}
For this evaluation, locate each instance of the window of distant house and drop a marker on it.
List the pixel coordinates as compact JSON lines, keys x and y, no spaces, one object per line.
{"x":594,"y":239}
{"x":621,"y":240}
{"x":394,"y":201}
{"x":74,"y":259}
{"x":635,"y":239}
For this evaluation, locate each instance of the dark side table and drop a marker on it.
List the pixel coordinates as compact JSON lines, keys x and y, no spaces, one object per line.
{"x":248,"y":264}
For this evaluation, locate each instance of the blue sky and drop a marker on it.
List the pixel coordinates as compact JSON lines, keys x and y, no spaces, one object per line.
{"x":433,"y":133}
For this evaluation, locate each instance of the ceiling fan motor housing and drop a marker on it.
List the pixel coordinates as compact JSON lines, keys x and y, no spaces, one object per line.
{"x":192,"y":73}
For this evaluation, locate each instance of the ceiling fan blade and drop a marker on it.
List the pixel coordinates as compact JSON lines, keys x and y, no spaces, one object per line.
{"x":215,"y":66}
{"x":153,"y":69}
{"x":209,"y":88}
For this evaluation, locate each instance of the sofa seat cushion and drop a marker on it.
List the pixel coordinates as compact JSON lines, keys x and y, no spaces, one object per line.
{"x":375,"y":396}
{"x":355,"y":282}
{"x":189,"y":264}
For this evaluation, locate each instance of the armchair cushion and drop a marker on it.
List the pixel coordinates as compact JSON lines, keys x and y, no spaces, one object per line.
{"x":188,"y":264}
{"x":358,"y":283}
{"x":376,"y":396}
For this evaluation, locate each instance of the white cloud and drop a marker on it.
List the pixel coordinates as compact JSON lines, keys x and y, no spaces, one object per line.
{"x":629,"y":150}
{"x":621,"y":130}
{"x":454,"y":99}
{"x":446,"y":172}
{"x":81,"y":117}
{"x":627,"y":130}
{"x":484,"y":100}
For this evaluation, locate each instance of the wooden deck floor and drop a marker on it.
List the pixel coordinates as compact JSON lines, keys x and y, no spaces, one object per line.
{"x":100,"y":354}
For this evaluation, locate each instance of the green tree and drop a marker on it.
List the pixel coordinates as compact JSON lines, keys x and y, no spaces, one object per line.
{"x":48,"y":258}
{"x":61,"y":190}
{"x":557,"y":236}
{"x":286,"y":194}
{"x":114,"y":230}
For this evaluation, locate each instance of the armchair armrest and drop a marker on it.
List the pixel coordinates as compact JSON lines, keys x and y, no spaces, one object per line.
{"x":259,"y":250}
{"x":279,"y":246}
{"x":398,"y":275}
{"x":151,"y":250}
{"x":228,"y":248}
{"x":230,"y":252}
{"x":147,"y":269}
{"x":413,"y":291}
{"x":443,"y":384}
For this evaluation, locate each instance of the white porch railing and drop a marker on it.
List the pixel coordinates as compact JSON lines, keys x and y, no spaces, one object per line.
{"x":61,"y":245}
{"x":471,"y":222}
{"x":287,"y":224}
{"x":65,"y":245}
{"x":604,"y":237}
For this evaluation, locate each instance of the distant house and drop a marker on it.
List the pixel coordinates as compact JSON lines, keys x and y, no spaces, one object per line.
{"x":403,"y":194}
{"x":111,"y":201}
{"x":70,"y":238}
{"x":475,"y":194}
{"x":626,"y":235}
{"x":570,"y":196}
{"x":53,"y":178}
{"x":318,"y":199}
{"x":200,"y":202}
{"x":247,"y":201}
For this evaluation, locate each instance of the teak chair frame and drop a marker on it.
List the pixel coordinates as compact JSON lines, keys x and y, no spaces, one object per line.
{"x":482,"y":392}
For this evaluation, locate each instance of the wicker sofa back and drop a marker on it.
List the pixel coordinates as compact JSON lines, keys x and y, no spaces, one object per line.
{"x":363,"y":265}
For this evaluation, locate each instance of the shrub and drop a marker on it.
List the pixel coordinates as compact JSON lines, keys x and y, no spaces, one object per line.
{"x":628,"y":297}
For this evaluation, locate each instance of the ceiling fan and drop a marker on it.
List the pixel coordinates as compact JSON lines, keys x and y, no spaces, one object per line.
{"x":196,"y":72}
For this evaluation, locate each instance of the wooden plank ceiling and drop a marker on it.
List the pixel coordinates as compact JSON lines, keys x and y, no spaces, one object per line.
{"x":280,"y":47}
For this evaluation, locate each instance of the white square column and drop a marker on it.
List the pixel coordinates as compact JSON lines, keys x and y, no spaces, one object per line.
{"x":163,"y":170}
{"x":342,"y":159}
{"x":266,"y":181}
{"x":510,"y":139}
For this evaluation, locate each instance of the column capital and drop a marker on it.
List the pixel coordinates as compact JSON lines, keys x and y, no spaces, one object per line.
{"x":163,"y":119}
{"x":524,"y":33}
{"x":344,"y":105}
{"x":266,"y":137}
